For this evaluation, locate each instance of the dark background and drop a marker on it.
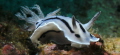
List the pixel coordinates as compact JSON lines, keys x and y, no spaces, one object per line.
{"x":107,"y":24}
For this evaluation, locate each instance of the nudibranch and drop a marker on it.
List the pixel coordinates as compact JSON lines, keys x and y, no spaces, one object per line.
{"x":56,"y":28}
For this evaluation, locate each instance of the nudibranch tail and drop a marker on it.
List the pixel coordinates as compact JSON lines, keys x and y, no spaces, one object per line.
{"x":93,"y":38}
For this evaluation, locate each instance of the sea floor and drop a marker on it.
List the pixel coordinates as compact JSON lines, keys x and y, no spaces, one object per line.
{"x":13,"y":42}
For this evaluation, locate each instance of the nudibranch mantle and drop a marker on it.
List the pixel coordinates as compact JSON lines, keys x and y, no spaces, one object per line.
{"x":73,"y":30}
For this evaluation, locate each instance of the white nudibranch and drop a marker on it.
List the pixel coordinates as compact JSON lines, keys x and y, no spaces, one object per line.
{"x":57,"y":29}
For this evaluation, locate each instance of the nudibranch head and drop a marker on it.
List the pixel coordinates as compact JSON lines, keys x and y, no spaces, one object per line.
{"x":58,"y":29}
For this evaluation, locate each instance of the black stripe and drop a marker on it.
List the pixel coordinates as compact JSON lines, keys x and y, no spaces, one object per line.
{"x":91,"y":36}
{"x":28,"y":15}
{"x":60,"y":20}
{"x":82,"y":28}
{"x":37,"y":23}
{"x":78,"y":21}
{"x":43,"y":35}
{"x":77,"y":35}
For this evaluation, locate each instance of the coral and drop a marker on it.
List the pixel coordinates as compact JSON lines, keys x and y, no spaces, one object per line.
{"x":16,"y":36}
{"x":47,"y":50}
{"x":18,"y":39}
{"x":95,"y":48}
{"x":112,"y":45}
{"x":13,"y":49}
{"x":9,"y":49}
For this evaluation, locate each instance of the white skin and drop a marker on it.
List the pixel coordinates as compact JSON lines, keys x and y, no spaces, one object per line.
{"x":57,"y":25}
{"x":39,"y":31}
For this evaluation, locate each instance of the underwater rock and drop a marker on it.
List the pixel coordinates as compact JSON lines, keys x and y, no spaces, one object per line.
{"x":10,"y":49}
{"x":53,"y":49}
{"x":13,"y":49}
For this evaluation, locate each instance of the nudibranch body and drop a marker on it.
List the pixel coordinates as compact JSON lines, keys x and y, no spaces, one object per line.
{"x":59,"y":29}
